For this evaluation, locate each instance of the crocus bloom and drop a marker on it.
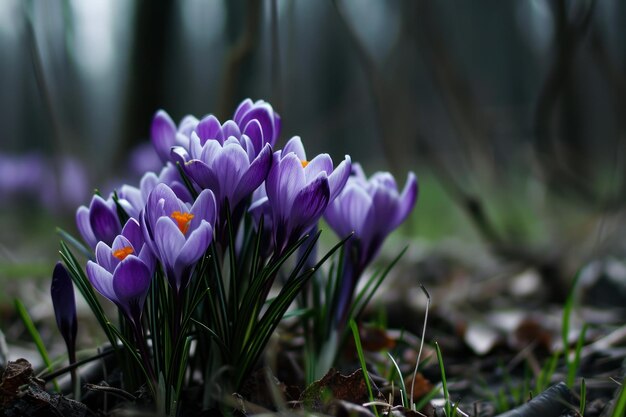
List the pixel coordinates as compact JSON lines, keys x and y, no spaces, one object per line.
{"x":123,"y":272}
{"x":298,"y":191}
{"x":99,"y":222}
{"x":259,"y":122}
{"x":371,"y":209}
{"x":229,"y":168}
{"x":64,"y":302}
{"x":178,"y":233}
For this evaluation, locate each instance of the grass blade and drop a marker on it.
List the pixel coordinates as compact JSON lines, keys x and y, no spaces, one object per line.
{"x":34,"y":334}
{"x":359,"y":350}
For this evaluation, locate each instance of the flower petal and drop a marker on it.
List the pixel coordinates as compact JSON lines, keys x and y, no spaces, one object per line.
{"x":202,"y":175}
{"x":102,"y":280}
{"x":264,"y":114}
{"x":161,"y":202}
{"x":204,"y":208}
{"x":339,"y":177}
{"x":231,"y":164}
{"x":284,"y":181}
{"x":254,"y":131}
{"x":255,"y":175}
{"x":132,"y":232}
{"x":163,"y":134}
{"x":231,"y":129}
{"x":196,"y":245}
{"x":64,"y":302}
{"x":105,"y":258}
{"x":187,"y":125}
{"x":321,"y":163}
{"x":131,"y":281}
{"x":103,"y":220}
{"x":84,"y":228}
{"x":309,"y":205}
{"x":295,"y":145}
{"x":168,"y":240}
{"x":242,"y":109}
{"x":408,"y":198}
{"x":209,"y":128}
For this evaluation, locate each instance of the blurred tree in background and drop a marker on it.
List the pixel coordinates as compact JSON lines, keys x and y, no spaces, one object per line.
{"x":511,"y":113}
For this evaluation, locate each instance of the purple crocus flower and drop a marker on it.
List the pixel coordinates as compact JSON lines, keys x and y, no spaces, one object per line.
{"x":230,"y":168}
{"x":123,"y":272}
{"x":99,"y":222}
{"x":298,"y":191}
{"x":178,"y":233}
{"x":371,"y":209}
{"x":64,"y":302}
{"x":164,"y":133}
{"x":259,"y":122}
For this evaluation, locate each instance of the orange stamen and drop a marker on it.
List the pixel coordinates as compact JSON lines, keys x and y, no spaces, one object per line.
{"x":121,"y":254}
{"x":182,"y":220}
{"x":304,"y":163}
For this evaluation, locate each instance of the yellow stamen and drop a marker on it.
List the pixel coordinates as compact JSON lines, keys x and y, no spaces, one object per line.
{"x":304,"y":163}
{"x":182,"y":220}
{"x":121,"y":254}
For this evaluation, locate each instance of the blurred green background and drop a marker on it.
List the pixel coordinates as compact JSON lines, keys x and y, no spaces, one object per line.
{"x":511,"y":113}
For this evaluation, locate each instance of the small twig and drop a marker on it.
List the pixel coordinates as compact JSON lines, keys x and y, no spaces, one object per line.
{"x":111,"y":390}
{"x":58,"y":372}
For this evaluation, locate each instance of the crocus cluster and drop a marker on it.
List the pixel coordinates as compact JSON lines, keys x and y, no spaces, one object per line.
{"x":217,"y":176}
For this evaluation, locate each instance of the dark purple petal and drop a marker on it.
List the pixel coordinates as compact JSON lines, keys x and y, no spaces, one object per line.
{"x":263,"y":113}
{"x":103,"y":220}
{"x":210,"y":128}
{"x":163,"y":134}
{"x":309,"y":204}
{"x":102,"y":280}
{"x":242,"y":109}
{"x":256,"y":174}
{"x":147,"y":257}
{"x":64,"y":303}
{"x":84,"y":228}
{"x":254,"y":131}
{"x":202,"y":175}
{"x":132,"y":232}
{"x":131,"y":282}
